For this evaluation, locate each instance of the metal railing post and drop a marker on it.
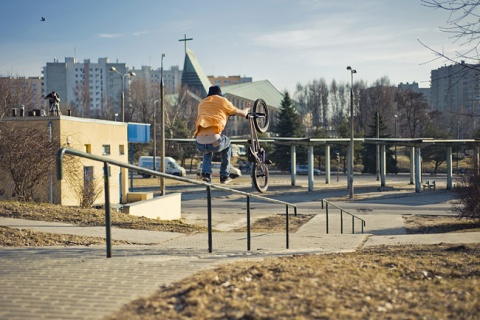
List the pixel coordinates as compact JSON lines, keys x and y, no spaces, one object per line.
{"x":341,"y":221}
{"x":209,"y":217}
{"x":108,"y":224}
{"x":326,"y":213}
{"x":248,"y":224}
{"x":286,"y":229}
{"x":342,"y":211}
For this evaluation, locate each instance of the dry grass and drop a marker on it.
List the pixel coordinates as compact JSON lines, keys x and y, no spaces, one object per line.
{"x":89,"y":217}
{"x":398,"y":282}
{"x":84,"y":217}
{"x":276,"y":223}
{"x":412,"y":282}
{"x":12,"y":237}
{"x":439,"y":224}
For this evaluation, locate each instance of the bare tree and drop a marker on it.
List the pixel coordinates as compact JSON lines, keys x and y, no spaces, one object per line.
{"x":26,"y":154}
{"x":313,"y":100}
{"x":81,"y":101}
{"x":339,"y":107}
{"x":16,"y":92}
{"x":413,"y":112}
{"x":378,"y":98}
{"x":142,"y":96}
{"x":463,"y":25}
{"x":87,"y":189}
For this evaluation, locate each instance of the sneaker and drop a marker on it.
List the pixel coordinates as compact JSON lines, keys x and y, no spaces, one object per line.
{"x":225,"y":180}
{"x":206,"y":177}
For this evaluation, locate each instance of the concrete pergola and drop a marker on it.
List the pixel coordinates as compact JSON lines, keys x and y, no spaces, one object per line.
{"x":415,"y":155}
{"x":415,"y":146}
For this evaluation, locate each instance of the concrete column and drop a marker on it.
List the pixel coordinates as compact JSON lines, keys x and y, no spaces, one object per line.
{"x":412,"y":165}
{"x":327,"y":163}
{"x":293,"y":164}
{"x":383,"y":165}
{"x":311,"y":163}
{"x":476,"y":160}
{"x":349,"y":169}
{"x":449,"y":168}
{"x":418,"y":181}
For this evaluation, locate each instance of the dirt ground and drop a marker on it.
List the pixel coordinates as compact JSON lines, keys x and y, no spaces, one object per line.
{"x":397,"y":282}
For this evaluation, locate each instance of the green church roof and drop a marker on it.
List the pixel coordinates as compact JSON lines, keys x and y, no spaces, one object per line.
{"x":193,"y":75}
{"x":254,"y":90}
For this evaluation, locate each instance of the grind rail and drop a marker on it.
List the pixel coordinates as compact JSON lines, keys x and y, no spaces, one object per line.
{"x":328,"y":203}
{"x":106,"y":161}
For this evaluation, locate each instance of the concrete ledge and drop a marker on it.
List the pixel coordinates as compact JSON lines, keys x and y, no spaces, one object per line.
{"x":168,"y":207}
{"x":138,"y":196}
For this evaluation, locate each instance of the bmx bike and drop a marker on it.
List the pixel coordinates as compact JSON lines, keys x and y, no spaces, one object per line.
{"x":258,"y":121}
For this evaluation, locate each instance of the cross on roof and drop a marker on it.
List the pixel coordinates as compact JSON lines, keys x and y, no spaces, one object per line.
{"x":185,"y":39}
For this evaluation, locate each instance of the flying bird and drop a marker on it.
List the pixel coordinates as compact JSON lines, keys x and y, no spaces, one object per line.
{"x":43,"y":19}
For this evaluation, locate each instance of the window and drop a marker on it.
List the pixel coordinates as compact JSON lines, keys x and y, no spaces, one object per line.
{"x":106,"y":149}
{"x":121,"y":149}
{"x":88,"y":148}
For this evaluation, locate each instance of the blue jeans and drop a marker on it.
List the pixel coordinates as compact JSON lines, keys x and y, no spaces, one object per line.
{"x":221,"y":145}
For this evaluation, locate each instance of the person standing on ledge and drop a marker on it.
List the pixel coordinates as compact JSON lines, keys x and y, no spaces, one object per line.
{"x":213,"y":113}
{"x":53,"y":103}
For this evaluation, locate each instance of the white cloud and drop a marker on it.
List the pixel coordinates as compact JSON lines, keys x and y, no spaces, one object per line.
{"x":139,"y":33}
{"x":109,"y":35}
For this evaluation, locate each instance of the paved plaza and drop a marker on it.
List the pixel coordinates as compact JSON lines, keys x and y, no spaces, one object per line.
{"x":81,"y":283}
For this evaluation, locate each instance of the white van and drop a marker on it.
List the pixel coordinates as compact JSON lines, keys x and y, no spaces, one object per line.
{"x":234,"y":172}
{"x":171,"y":166}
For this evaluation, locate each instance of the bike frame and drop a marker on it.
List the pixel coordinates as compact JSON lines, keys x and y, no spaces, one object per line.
{"x":259,"y":167}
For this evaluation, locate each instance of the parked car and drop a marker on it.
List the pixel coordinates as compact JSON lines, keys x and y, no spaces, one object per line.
{"x":302,"y":169}
{"x":171,"y":166}
{"x":234,"y":172}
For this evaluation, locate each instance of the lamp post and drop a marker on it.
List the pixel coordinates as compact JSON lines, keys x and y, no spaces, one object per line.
{"x":351,"y":163}
{"x":122,"y":77}
{"x":155,"y":134}
{"x":162,"y":111}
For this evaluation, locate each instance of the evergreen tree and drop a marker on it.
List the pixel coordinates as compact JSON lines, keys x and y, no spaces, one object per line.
{"x":369,"y":156}
{"x":288,"y":124}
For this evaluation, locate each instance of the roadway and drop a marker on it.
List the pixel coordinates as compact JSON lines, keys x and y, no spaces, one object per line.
{"x":229,"y":210}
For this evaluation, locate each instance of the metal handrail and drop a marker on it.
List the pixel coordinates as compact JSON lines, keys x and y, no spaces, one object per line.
{"x":106,"y":161}
{"x":327,"y":203}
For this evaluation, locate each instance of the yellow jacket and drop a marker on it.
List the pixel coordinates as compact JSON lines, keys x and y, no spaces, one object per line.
{"x":213,"y":112}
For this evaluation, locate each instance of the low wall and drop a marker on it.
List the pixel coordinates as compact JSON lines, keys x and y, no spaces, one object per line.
{"x":168,"y":207}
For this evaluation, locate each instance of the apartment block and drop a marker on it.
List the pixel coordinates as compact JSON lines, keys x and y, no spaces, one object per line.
{"x":228,"y":80}
{"x":87,"y":88}
{"x":455,"y":91}
{"x":172,"y":77}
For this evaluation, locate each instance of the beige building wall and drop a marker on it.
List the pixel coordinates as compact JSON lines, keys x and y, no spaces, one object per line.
{"x":98,"y":137}
{"x":102,"y":138}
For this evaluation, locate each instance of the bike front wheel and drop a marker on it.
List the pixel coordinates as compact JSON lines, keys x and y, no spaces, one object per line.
{"x":260,"y":177}
{"x":261,"y":119}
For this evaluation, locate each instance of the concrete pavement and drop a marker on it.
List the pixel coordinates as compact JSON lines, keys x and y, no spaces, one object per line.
{"x":81,"y":283}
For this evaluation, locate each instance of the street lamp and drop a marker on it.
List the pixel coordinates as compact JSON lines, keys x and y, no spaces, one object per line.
{"x":351,"y":163}
{"x":122,"y":77}
{"x":155,"y":134}
{"x":162,"y":111}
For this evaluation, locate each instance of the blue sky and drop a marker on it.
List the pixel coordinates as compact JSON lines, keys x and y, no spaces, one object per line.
{"x":284,"y":41}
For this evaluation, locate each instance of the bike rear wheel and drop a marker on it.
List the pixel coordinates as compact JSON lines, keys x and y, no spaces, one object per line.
{"x":260,"y":177}
{"x":261,"y":120}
